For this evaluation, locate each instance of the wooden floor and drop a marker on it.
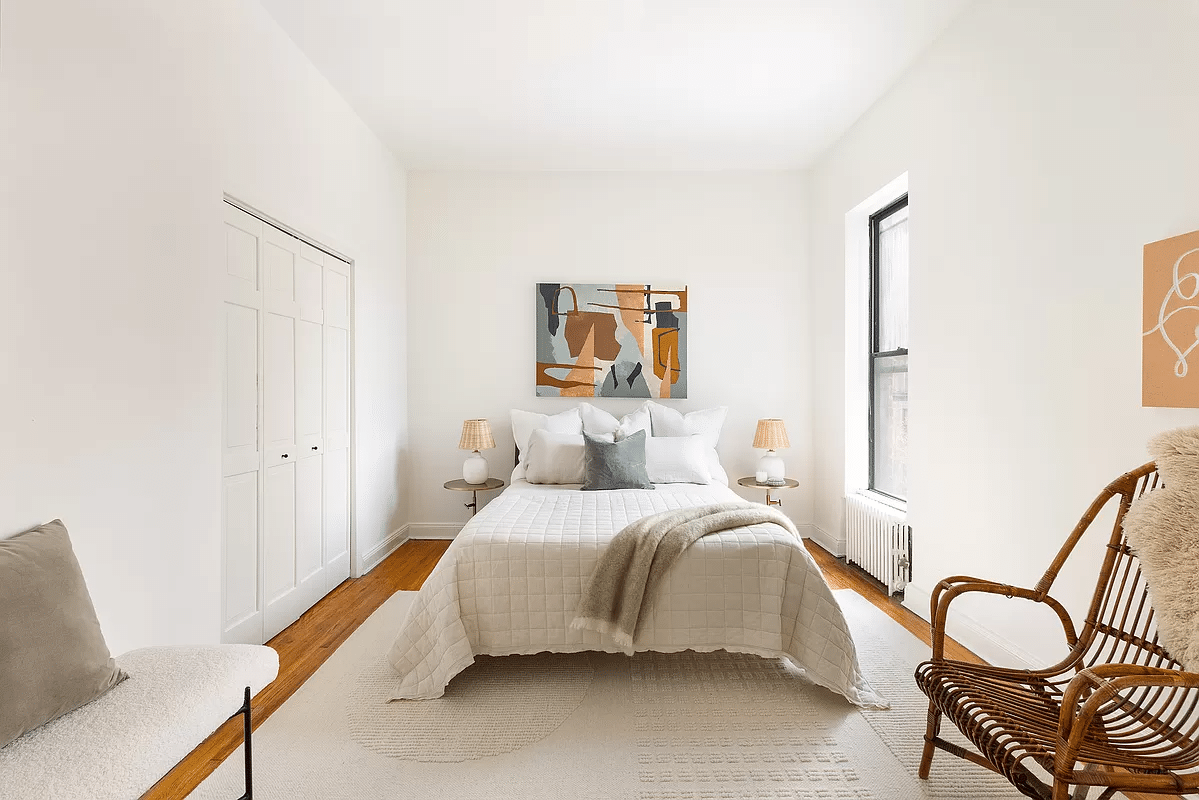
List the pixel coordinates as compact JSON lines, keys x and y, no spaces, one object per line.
{"x":302,"y":648}
{"x":843,"y":576}
{"x":305,"y":645}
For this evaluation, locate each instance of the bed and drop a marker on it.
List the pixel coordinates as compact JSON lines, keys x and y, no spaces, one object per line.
{"x":512,"y":579}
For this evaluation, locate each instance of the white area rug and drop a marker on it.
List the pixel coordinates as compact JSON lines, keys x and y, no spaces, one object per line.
{"x":498,"y":706}
{"x":684,"y":726}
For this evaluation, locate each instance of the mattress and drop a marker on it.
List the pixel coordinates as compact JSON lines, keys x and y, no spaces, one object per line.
{"x":511,"y":581}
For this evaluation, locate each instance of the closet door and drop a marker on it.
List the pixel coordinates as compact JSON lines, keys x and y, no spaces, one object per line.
{"x":286,"y":428}
{"x":241,"y":608}
{"x":310,"y":440}
{"x":337,"y":420}
{"x":292,"y":473}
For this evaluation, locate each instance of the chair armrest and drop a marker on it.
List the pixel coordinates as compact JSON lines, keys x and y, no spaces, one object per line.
{"x":950,"y":589}
{"x":1098,"y":689}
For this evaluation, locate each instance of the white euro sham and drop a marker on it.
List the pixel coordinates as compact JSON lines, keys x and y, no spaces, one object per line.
{"x":525,"y":422}
{"x":676,"y":459}
{"x":666,"y":421}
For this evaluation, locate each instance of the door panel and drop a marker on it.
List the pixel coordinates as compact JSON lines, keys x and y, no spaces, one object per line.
{"x":241,"y":257}
{"x":240,"y":453}
{"x":337,"y":388}
{"x":310,"y":561}
{"x":337,"y":421}
{"x":241,"y":450}
{"x":309,"y":379}
{"x":308,"y":290}
{"x":279,"y":532}
{"x":337,"y":298}
{"x":337,"y":516}
{"x":280,"y":253}
{"x":279,"y":377}
{"x":242,"y":618}
{"x":243,"y":278}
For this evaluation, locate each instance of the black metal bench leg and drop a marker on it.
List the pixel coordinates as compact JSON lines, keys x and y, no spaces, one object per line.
{"x":245,"y":711}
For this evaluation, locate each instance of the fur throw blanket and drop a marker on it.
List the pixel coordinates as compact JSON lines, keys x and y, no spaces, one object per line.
{"x":632,"y":567}
{"x":1163,"y":530}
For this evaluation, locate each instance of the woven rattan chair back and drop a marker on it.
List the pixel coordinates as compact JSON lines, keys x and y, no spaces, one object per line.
{"x":1116,"y":712}
{"x":1120,"y":627}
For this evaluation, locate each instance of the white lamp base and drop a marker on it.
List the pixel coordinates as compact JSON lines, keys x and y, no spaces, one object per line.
{"x":772,"y":466}
{"x":474,"y":469}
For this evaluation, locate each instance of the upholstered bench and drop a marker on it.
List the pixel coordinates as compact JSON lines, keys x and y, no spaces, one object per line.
{"x":120,"y":744}
{"x":77,"y":723}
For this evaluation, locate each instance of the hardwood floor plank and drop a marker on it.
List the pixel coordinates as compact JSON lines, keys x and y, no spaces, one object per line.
{"x":845,"y":576}
{"x":302,"y":648}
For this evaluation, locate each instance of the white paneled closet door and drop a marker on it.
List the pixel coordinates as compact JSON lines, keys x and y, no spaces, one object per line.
{"x":241,"y":454}
{"x":302,"y":527}
{"x":292,"y":528}
{"x":337,"y":420}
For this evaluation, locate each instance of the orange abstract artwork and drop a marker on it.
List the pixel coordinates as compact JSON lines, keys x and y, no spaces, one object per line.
{"x":611,"y":340}
{"x":1170,"y":326}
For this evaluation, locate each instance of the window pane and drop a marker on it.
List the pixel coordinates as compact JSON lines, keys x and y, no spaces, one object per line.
{"x":889,"y":437}
{"x":892,"y":244}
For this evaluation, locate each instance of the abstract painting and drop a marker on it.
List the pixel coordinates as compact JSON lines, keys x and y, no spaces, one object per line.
{"x":611,"y":340}
{"x":1170,"y":338}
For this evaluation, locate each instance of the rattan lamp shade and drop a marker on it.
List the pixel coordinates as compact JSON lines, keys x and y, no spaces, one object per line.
{"x":771,"y":435}
{"x":476,"y":435}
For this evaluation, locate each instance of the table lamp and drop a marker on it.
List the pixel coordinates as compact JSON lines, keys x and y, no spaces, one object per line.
{"x":476,"y":436}
{"x":771,"y":435}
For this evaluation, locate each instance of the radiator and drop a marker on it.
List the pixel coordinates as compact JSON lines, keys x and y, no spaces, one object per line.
{"x":879,"y":540}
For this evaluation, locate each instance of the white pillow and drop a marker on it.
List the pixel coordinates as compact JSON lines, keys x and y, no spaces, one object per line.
{"x":715,"y":469}
{"x":677,"y":459}
{"x":598,"y":422}
{"x":555,"y":458}
{"x":525,"y":422}
{"x":668,"y":422}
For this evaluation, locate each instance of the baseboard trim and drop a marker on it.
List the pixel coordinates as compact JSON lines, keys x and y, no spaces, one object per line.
{"x":375,"y":556}
{"x":821,"y":537}
{"x":433,"y":530}
{"x":972,"y":634}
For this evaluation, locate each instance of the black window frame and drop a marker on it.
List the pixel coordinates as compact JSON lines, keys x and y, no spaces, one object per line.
{"x":875,"y":220}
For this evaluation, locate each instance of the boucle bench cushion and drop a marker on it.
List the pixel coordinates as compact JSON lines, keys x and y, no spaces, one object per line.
{"x":119,"y":745}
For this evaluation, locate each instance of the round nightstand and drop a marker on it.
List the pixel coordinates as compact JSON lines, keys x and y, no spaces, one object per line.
{"x":474,"y":488}
{"x":788,"y":483}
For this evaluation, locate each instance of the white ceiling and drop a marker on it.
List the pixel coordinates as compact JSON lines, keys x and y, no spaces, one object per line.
{"x":611,"y":84}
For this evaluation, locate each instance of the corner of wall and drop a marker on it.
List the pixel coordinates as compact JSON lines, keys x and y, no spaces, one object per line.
{"x":433,"y":530}
{"x":833,"y":544}
{"x":376,"y":555}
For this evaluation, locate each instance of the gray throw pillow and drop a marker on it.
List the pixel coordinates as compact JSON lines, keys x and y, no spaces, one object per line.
{"x":615,"y":465}
{"x":53,"y":658}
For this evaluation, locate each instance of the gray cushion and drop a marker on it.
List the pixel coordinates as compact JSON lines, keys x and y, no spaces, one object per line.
{"x":615,"y":465}
{"x":53,"y":658}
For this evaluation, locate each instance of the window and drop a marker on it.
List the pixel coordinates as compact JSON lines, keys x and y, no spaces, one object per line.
{"x":888,"y":403}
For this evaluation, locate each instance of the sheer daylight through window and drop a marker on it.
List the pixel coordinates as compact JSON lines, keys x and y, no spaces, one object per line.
{"x":889,"y":350}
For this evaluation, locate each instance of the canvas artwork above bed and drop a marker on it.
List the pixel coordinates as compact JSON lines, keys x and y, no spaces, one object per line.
{"x":611,"y":340}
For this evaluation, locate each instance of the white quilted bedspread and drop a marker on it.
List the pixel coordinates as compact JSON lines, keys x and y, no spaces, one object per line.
{"x":512,"y":579}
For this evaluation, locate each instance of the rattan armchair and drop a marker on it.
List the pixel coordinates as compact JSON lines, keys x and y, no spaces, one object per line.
{"x":1117,"y":712}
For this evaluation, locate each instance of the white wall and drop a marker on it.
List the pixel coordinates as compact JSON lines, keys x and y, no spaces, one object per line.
{"x":478,"y":242}
{"x":1045,"y":144}
{"x":120,"y":126}
{"x":294,"y":149}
